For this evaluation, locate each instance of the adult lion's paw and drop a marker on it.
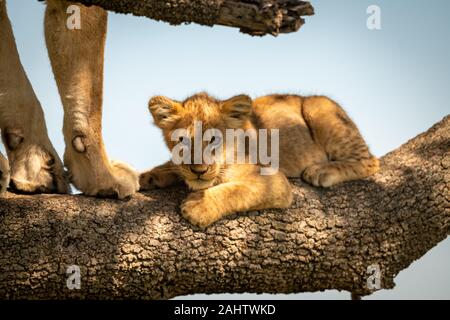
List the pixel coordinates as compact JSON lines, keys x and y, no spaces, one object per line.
{"x":114,"y":180}
{"x":321,"y":175}
{"x":94,"y":174}
{"x":4,"y":174}
{"x":35,"y":167}
{"x":199,"y":210}
{"x":127,"y":178}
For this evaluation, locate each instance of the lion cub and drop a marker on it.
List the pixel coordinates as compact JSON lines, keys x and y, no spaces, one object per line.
{"x":316,"y":140}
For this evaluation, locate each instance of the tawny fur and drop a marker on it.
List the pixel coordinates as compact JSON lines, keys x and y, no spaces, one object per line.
{"x":318,"y":142}
{"x":34,"y":163}
{"x":77,"y":61}
{"x":4,"y":174}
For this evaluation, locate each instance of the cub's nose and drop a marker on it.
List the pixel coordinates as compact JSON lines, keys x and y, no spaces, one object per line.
{"x":199,"y":168}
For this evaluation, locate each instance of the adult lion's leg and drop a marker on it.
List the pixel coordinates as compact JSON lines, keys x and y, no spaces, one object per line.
{"x":4,"y":174}
{"x":77,"y":60}
{"x":34,"y":163}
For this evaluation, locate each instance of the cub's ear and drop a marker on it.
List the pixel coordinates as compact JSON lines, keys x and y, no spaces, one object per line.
{"x":165,"y":111}
{"x":237,"y":110}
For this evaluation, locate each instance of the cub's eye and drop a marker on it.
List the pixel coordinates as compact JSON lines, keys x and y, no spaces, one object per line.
{"x":215,"y":141}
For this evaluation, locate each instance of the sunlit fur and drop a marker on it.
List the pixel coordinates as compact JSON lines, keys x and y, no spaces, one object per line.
{"x":34,"y":163}
{"x":212,"y":114}
{"x":318,"y":142}
{"x":77,"y":62}
{"x":4,"y":174}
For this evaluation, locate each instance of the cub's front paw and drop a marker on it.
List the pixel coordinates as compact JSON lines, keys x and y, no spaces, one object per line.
{"x":4,"y":174}
{"x":147,"y":181}
{"x":321,"y":175}
{"x":159,"y":177}
{"x":199,"y":210}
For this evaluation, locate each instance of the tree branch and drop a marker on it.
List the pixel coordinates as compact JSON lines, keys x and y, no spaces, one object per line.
{"x":255,"y":17}
{"x":144,"y":249}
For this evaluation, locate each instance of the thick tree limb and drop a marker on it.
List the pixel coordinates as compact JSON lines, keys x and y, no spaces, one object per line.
{"x":144,"y":249}
{"x":255,"y":17}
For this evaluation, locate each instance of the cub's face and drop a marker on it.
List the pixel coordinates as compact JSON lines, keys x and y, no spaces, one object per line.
{"x":194,"y":127}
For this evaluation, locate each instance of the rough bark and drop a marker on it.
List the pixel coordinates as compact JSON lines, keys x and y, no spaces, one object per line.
{"x":142,"y":248}
{"x":255,"y":17}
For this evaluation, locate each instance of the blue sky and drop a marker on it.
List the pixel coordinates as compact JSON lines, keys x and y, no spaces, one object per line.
{"x":393,"y":82}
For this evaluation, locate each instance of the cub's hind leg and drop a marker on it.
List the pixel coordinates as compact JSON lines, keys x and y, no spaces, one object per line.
{"x":348,"y":155}
{"x":4,"y":174}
